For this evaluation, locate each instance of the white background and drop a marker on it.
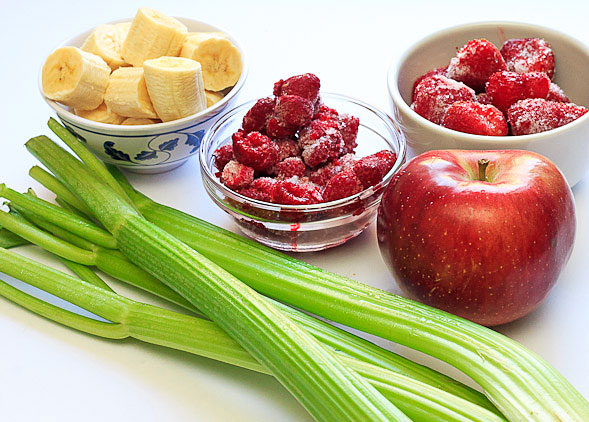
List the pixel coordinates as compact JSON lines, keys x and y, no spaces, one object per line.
{"x":52,"y":373}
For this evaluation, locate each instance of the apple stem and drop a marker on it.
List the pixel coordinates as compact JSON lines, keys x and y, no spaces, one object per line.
{"x":483,"y":163}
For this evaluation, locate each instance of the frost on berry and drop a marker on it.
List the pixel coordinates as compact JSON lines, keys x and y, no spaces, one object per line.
{"x":342,"y":185}
{"x":475,"y":62}
{"x":255,"y":150}
{"x":320,"y":142}
{"x":292,"y":110}
{"x":348,"y":127}
{"x":294,"y":192}
{"x":528,"y":55}
{"x":438,"y":71}
{"x":538,"y":115}
{"x":555,"y":93}
{"x":290,"y":167}
{"x":288,"y":148}
{"x":260,"y":189}
{"x":484,"y":98}
{"x":435,"y":94}
{"x":306,"y":86}
{"x":475,"y":118}
{"x":256,"y":118}
{"x":277,"y":129}
{"x":321,"y":175}
{"x":222,"y":156}
{"x":371,"y":169}
{"x":236,"y":175}
{"x":506,"y":88}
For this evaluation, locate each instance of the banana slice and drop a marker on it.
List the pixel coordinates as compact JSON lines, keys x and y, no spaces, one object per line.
{"x":75,"y":78}
{"x":151,"y":35}
{"x":102,"y":114}
{"x":213,"y":97}
{"x":123,"y":30}
{"x":175,"y":87}
{"x":127,"y":94}
{"x":219,"y":57}
{"x":106,"y":41}
{"x":136,"y":121}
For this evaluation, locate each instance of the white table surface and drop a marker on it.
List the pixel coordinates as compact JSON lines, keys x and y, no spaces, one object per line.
{"x":52,"y":373}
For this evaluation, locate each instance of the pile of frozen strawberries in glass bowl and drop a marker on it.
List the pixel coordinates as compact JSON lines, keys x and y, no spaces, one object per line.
{"x":487,"y":91}
{"x":292,"y":149}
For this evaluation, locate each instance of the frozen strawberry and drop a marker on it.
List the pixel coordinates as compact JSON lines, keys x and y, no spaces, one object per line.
{"x":255,"y":150}
{"x":322,"y":175}
{"x":288,"y":148}
{"x":256,"y":118}
{"x":290,"y":167}
{"x":306,"y":86}
{"x":438,"y":71}
{"x":555,"y":93}
{"x":507,"y":88}
{"x":475,"y":62}
{"x":293,"y":110}
{"x":484,"y":98}
{"x":475,"y":118}
{"x":342,"y":185}
{"x":294,"y":192}
{"x":528,"y":55}
{"x":348,"y":127}
{"x":320,"y":143}
{"x":278,"y":130}
{"x":538,"y":115}
{"x":260,"y":189}
{"x":371,"y":169}
{"x":236,"y":175}
{"x":222,"y":156}
{"x":434,"y":94}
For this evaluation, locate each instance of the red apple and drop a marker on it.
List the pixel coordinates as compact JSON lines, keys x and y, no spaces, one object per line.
{"x":485,"y":240}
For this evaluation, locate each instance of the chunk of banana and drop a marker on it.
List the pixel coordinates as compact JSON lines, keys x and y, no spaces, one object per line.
{"x":102,"y":114}
{"x":219,"y":57}
{"x":127,"y":94}
{"x":106,"y":41}
{"x":75,"y":78}
{"x":175,"y":87}
{"x":213,"y":97}
{"x":151,"y":35}
{"x":135,"y":121}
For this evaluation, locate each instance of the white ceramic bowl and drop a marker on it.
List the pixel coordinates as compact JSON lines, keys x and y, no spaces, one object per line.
{"x":567,"y":146}
{"x":148,"y":148}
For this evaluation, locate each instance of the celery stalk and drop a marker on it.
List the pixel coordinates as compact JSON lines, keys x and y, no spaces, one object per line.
{"x":521,"y":384}
{"x":10,"y":240}
{"x":422,"y":402}
{"x":326,"y":388}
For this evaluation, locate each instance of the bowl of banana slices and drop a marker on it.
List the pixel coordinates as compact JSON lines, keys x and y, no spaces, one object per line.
{"x":143,"y":92}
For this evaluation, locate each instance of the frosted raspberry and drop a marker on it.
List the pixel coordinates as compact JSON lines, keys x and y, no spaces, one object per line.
{"x":222,"y":156}
{"x":538,"y":115}
{"x":278,"y":130}
{"x":434,"y":94}
{"x":260,"y":189}
{"x":484,"y":98}
{"x":288,"y":148}
{"x":236,"y":175}
{"x":320,"y":143}
{"x":506,"y":88}
{"x":306,"y":86}
{"x":256,"y":118}
{"x":255,"y":150}
{"x":342,"y":185}
{"x":294,"y":192}
{"x":475,"y":118}
{"x":475,"y":62}
{"x":290,"y":167}
{"x":438,"y":71}
{"x":348,"y":127}
{"x":292,"y":110}
{"x":325,"y":113}
{"x":371,"y":169}
{"x":528,"y":55}
{"x":322,"y":175}
{"x":555,"y":93}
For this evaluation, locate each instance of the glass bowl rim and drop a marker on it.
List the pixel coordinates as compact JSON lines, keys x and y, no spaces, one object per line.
{"x":270,"y":206}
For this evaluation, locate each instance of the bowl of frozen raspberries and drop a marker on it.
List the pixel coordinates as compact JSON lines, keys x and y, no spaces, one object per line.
{"x":496,"y":85}
{"x":301,"y":170}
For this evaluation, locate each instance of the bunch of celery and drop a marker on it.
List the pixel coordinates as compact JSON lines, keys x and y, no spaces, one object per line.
{"x":520,"y":384}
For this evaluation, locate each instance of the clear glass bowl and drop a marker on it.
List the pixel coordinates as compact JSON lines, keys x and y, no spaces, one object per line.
{"x":305,"y":228}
